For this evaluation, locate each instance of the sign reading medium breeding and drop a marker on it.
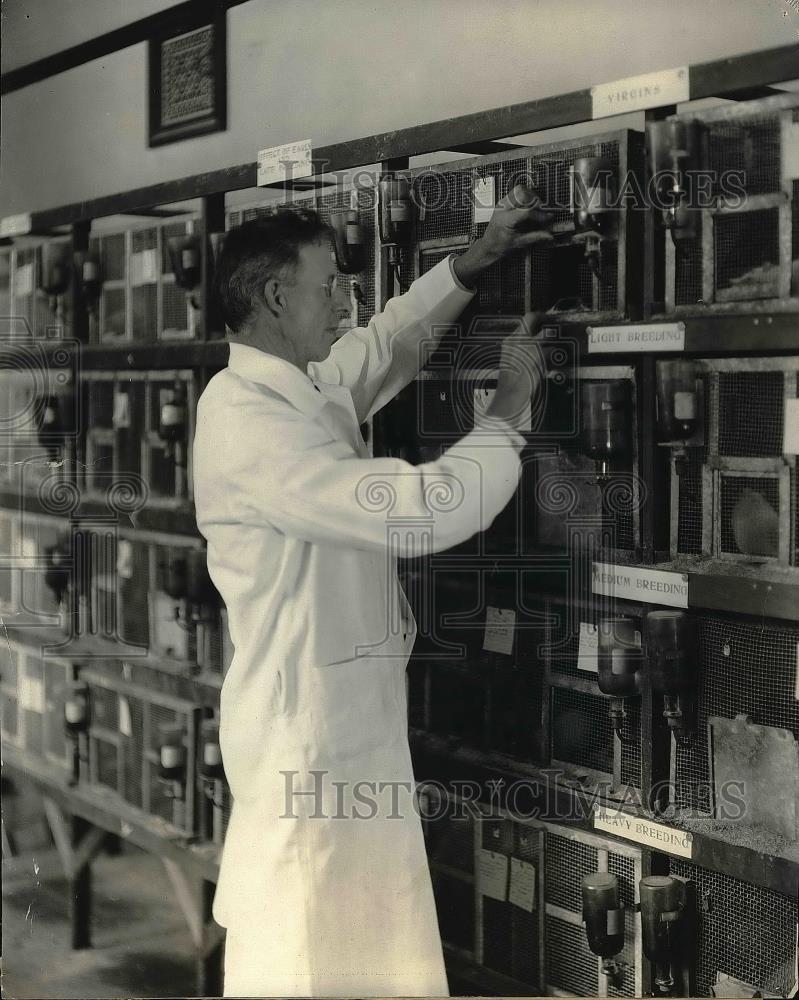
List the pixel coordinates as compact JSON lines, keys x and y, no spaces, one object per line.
{"x":638,"y":583}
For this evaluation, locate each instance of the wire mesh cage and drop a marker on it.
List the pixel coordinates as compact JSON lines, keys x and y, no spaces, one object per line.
{"x":133,"y":577}
{"x":39,"y":422}
{"x":510,"y":928}
{"x":435,"y":411}
{"x":745,"y":251}
{"x":35,"y":599}
{"x":587,"y":498}
{"x":125,"y":750}
{"x":143,"y":274}
{"x":449,"y":840}
{"x":474,"y":677}
{"x":140,"y":297}
{"x":9,"y":576}
{"x":581,"y":734}
{"x":361,"y":286}
{"x":9,"y":689}
{"x":571,"y":967}
{"x":6,"y":268}
{"x":743,"y":668}
{"x":34,"y":690}
{"x":50,"y":306}
{"x":133,"y":442}
{"x":454,"y":201}
{"x":166,"y":460}
{"x":363,"y":201}
{"x":743,"y":931}
{"x":214,"y":652}
{"x":178,"y":307}
{"x":509,"y":896}
{"x":732,"y":494}
{"x":216,"y":803}
{"x":23,"y":281}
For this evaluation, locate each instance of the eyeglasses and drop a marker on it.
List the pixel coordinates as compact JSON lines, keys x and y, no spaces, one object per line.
{"x":328,"y":287}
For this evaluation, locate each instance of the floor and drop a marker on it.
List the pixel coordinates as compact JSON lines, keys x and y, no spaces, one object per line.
{"x":141,"y":945}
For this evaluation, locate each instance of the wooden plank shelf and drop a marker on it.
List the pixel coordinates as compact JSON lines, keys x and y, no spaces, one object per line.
{"x":707,"y":334}
{"x":729,"y":76}
{"x":147,"y":833}
{"x":542,"y":793}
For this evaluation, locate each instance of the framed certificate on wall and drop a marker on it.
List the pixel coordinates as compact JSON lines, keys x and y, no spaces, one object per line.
{"x":187,"y":78}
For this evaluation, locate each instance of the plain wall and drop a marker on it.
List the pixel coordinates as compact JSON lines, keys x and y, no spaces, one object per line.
{"x":333,"y":71}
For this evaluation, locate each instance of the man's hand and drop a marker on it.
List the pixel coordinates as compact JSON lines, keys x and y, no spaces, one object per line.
{"x":518,"y":221}
{"x":521,"y":373}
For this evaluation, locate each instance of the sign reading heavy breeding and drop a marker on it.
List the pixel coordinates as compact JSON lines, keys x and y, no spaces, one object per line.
{"x":637,"y":583}
{"x":644,"y":831}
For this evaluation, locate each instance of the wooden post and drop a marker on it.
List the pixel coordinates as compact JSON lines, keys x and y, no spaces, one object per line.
{"x":77,"y":842}
{"x":654,"y":241}
{"x":195,"y":898}
{"x":212,"y":220}
{"x":80,"y":891}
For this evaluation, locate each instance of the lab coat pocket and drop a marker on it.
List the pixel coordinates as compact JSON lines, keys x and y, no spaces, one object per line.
{"x":358,"y":707}
{"x":284,"y":701}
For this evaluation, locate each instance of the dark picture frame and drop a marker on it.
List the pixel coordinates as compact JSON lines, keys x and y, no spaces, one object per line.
{"x":187,"y":81}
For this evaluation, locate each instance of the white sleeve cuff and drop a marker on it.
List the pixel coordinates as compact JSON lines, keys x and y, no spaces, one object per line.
{"x":455,"y":278}
{"x":495,"y":430}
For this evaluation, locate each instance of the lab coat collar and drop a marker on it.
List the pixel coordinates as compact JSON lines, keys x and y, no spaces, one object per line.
{"x":277,"y":374}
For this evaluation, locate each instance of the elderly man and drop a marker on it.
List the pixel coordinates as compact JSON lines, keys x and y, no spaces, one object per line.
{"x":324,"y":885}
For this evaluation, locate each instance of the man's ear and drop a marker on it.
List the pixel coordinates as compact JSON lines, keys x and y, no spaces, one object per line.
{"x":275,"y":297}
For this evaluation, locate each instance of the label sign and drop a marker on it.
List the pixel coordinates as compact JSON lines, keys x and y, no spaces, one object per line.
{"x":588,"y":648}
{"x":290,"y":161}
{"x":15,"y":225}
{"x":790,"y":151}
{"x":31,"y":694}
{"x":484,"y":198}
{"x":644,"y":831}
{"x":492,"y":875}
{"x":121,"y":415}
{"x":522,"y":884}
{"x":124,"y":559}
{"x":636,"y":93}
{"x":23,"y":280}
{"x":638,"y":337}
{"x":634,"y":583}
{"x":143,"y":267}
{"x":790,"y":438}
{"x":500,"y":625}
{"x":125,"y":722}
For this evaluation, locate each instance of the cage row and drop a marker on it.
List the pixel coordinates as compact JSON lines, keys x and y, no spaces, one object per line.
{"x":566,"y":912}
{"x":551,"y":907}
{"x":727,"y":429}
{"x":86,"y":583}
{"x":558,"y":683}
{"x":141,"y":744}
{"x":727,"y":433}
{"x":142,"y":283}
{"x":722,"y":182}
{"x":122,"y":438}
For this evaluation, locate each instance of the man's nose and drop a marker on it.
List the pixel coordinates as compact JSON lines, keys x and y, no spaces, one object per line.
{"x":341,"y":303}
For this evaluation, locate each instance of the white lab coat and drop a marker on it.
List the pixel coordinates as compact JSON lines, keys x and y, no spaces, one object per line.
{"x":303,"y":532}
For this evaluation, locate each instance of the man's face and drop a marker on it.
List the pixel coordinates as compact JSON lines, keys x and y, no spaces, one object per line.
{"x":312,"y":316}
